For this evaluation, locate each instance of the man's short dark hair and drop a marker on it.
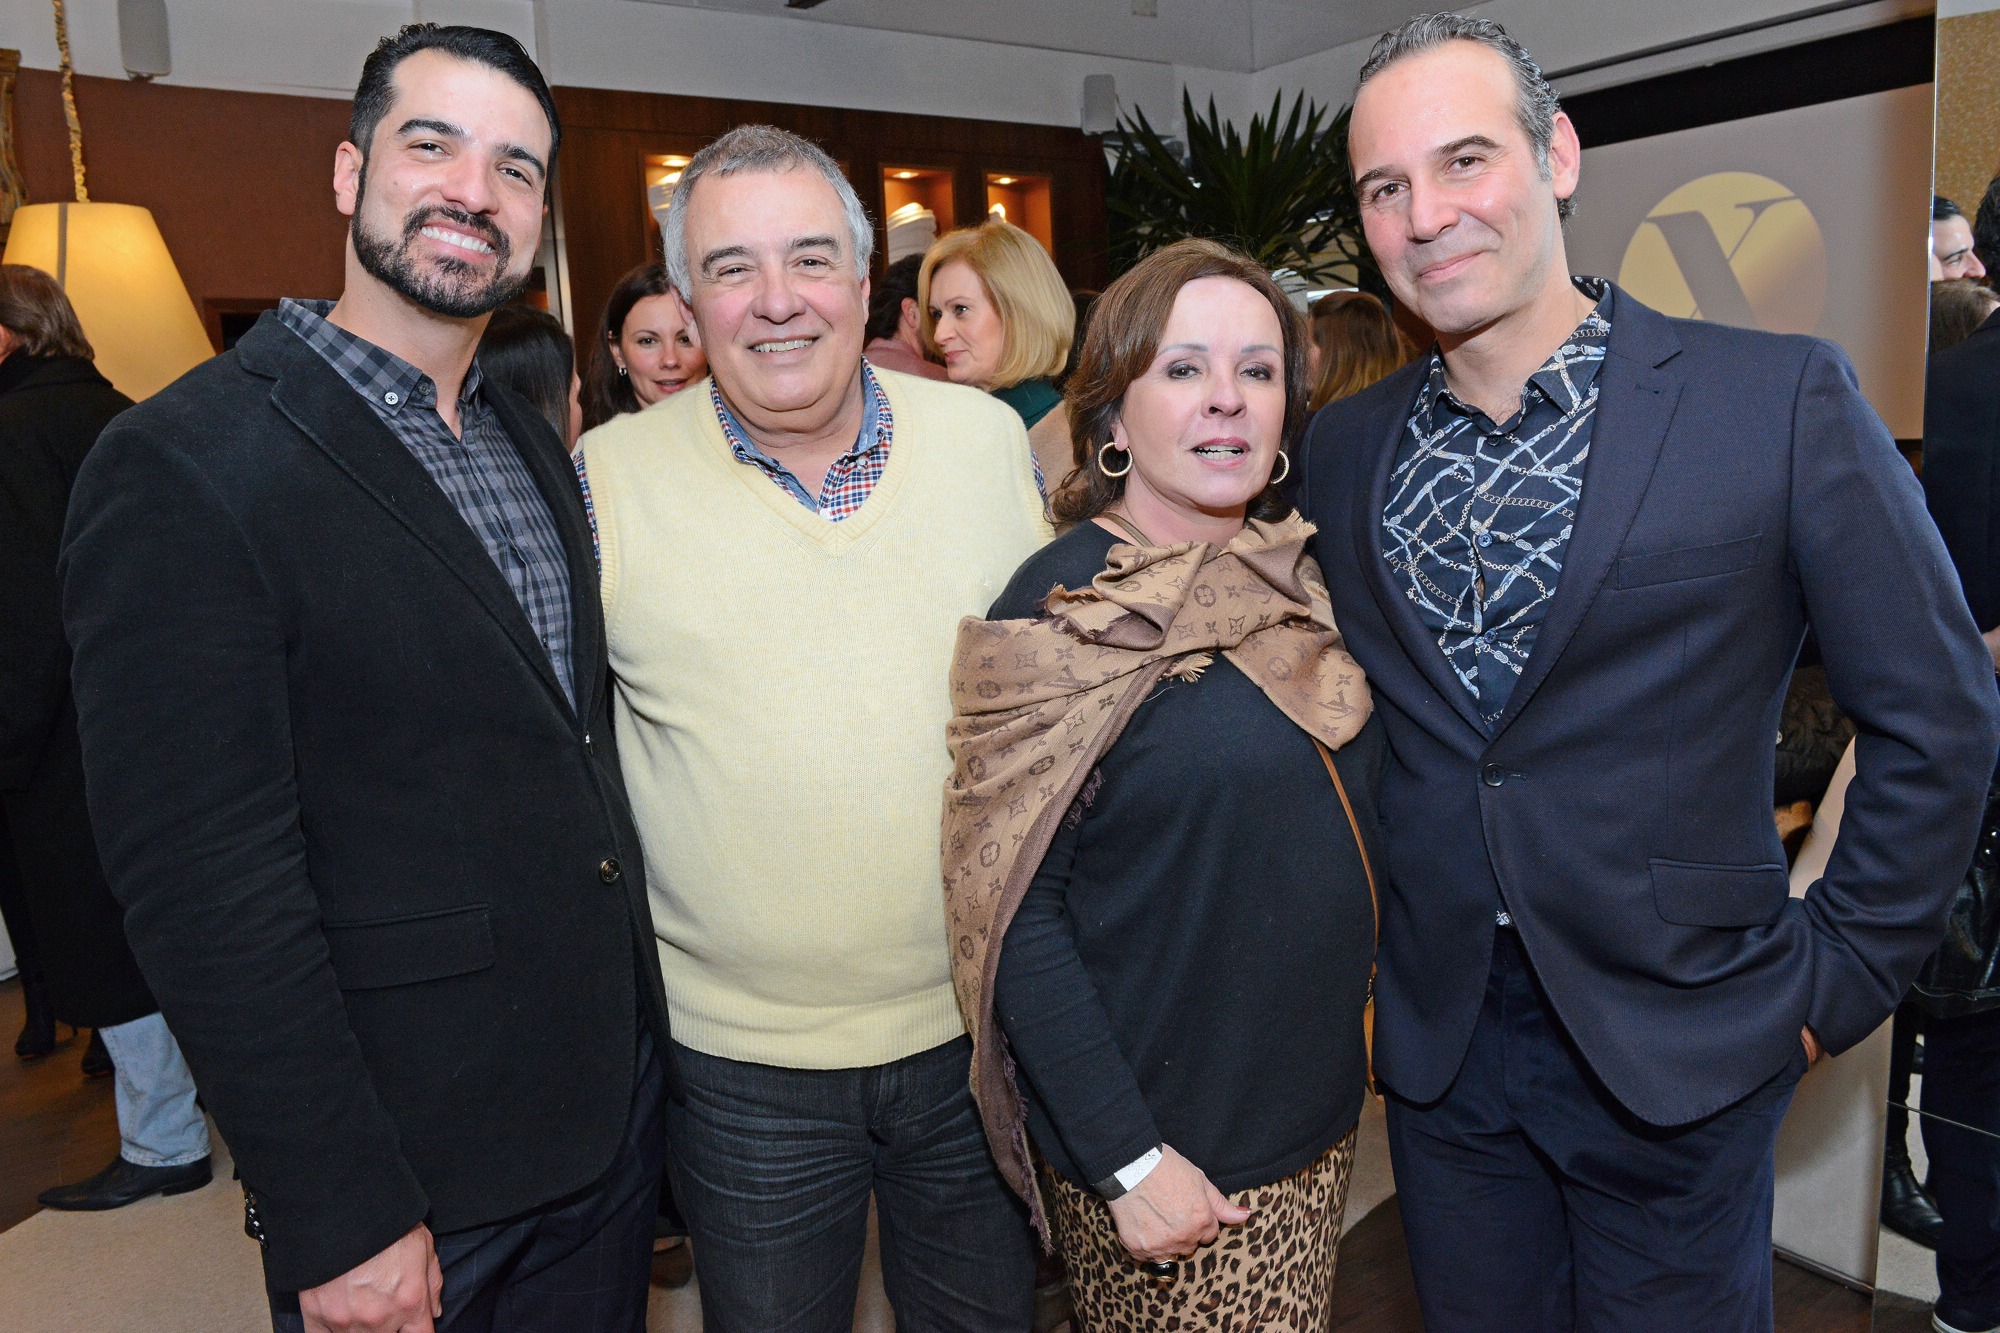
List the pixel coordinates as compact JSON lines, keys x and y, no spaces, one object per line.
{"x":481,"y":46}
{"x":1535,"y":107}
{"x":1942,"y":208}
{"x":1986,"y":227}
{"x":885,"y":298}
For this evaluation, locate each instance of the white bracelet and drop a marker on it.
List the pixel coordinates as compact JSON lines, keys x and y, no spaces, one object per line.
{"x":1132,"y":1173}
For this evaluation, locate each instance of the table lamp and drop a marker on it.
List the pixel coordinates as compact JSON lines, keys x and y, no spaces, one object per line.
{"x":112,"y":262}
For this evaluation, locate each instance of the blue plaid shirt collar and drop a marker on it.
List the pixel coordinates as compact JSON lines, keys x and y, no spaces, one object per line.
{"x":1563,"y":379}
{"x":388,"y":382}
{"x":871,"y":445}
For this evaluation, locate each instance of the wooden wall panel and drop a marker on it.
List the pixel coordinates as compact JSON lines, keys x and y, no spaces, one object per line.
{"x":240,"y":183}
{"x":608,"y":134}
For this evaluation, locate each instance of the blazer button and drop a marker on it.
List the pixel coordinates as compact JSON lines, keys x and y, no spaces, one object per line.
{"x":1493,"y":775}
{"x":609,"y":870}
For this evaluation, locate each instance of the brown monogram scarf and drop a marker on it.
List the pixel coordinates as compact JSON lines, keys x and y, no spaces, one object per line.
{"x":1037,"y":703}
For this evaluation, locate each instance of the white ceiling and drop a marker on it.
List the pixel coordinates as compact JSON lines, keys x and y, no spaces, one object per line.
{"x":1240,"y":35}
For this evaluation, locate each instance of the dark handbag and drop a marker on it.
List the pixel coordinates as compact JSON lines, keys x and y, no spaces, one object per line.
{"x":1963,"y":976}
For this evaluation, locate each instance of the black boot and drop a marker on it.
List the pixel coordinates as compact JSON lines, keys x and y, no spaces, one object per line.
{"x":96,"y":1059}
{"x":1906,"y":1209}
{"x":38,"y":1033}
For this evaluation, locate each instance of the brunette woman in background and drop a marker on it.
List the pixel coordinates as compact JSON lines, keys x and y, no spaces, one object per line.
{"x":644,"y":351}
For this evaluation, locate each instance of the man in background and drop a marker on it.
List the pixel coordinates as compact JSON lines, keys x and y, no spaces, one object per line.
{"x":1951,"y":242}
{"x":895,"y":333}
{"x":1961,"y":1082}
{"x":1986,"y":226}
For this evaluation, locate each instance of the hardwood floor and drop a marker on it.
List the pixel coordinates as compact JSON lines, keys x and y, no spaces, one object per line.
{"x":1372,"y":1291}
{"x":55,"y":1125}
{"x":1901,"y":1314}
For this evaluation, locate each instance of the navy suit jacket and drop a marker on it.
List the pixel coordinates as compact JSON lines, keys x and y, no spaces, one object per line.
{"x":1738,"y":487}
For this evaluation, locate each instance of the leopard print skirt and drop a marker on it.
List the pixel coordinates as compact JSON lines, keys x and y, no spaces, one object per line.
{"x":1274,"y":1273}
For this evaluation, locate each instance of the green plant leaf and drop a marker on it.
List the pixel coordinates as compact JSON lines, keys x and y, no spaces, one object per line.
{"x":1281,"y":192}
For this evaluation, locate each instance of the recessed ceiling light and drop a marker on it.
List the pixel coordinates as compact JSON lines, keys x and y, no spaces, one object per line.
{"x":1003,"y":180}
{"x":906,"y":175}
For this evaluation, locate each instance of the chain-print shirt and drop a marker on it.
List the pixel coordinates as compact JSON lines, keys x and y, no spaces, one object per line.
{"x":1479,"y":513}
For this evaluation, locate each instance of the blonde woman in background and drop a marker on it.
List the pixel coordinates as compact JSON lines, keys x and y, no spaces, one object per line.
{"x":1355,"y":343}
{"x":997,"y":311}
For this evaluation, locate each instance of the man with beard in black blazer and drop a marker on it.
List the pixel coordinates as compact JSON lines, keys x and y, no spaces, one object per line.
{"x":1576,"y":547}
{"x":340,"y":671}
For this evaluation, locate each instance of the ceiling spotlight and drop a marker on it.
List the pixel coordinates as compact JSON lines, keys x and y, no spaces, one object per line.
{"x":906,"y":175}
{"x":1003,"y":180}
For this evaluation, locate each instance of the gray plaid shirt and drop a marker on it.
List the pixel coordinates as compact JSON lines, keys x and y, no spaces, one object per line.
{"x":480,"y":471}
{"x":1479,"y":513}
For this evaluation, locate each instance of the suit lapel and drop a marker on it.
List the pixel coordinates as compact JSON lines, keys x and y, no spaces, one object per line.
{"x":1637,"y":391}
{"x":1417,"y":642}
{"x":323,"y":406}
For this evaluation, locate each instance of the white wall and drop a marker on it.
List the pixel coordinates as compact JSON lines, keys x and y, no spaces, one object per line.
{"x":316,"y":47}
{"x":663,"y":48}
{"x":284,"y":46}
{"x":1564,"y":34}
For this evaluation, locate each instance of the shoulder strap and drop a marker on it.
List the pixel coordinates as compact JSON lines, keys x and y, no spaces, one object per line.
{"x":1360,"y":844}
{"x":1374,"y":900}
{"x":1137,"y":536}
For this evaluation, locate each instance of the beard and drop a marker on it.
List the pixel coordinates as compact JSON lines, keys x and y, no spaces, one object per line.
{"x":444,"y":286}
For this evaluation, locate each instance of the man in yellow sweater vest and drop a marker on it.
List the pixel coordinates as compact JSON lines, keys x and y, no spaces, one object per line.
{"x":787,"y":552}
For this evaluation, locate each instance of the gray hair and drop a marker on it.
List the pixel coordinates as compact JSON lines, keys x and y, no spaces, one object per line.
{"x":760,"y":148}
{"x":1537,"y":105}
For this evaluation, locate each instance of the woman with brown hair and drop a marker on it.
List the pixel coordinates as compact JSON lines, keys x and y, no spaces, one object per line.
{"x":996,"y":310}
{"x":1356,"y":344}
{"x":77,"y":966}
{"x":1159,"y":828}
{"x":644,"y":351}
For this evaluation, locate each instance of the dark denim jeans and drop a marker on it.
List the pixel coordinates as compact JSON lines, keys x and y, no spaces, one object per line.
{"x":1962,"y":1083}
{"x":774,"y":1168}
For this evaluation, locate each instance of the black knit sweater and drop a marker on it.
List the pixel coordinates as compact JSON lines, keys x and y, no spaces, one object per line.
{"x":1190,"y":963}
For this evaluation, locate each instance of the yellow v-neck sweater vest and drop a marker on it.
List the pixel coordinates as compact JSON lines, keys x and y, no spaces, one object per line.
{"x":781,"y":700}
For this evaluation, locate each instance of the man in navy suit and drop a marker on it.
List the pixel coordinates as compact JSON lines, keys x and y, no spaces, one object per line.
{"x":1576,"y":547}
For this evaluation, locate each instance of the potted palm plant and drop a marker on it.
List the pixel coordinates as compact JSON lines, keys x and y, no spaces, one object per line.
{"x":1280,"y":192}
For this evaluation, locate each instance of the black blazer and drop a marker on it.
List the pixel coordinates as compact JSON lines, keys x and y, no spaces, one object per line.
{"x":383,"y":879}
{"x":1738,"y":484}
{"x":1961,"y":483}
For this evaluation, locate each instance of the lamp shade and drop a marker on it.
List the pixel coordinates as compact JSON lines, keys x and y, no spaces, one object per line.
{"x":113,"y":263}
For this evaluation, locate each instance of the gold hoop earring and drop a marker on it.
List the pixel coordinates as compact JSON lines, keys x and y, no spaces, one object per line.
{"x":1286,"y":459}
{"x":1104,"y":467}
